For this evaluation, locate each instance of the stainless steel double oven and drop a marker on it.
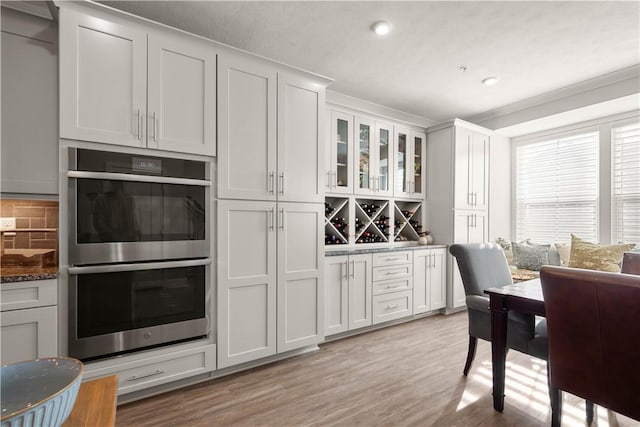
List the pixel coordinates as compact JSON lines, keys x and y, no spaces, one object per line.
{"x":139,"y":251}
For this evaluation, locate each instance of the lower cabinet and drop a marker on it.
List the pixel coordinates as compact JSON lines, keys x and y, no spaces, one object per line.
{"x":348,"y":285}
{"x":429,"y":280}
{"x":29,"y":320}
{"x":393,"y":286}
{"x":270,"y":287}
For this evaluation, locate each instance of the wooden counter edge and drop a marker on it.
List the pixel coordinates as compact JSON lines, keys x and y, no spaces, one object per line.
{"x":96,"y":404}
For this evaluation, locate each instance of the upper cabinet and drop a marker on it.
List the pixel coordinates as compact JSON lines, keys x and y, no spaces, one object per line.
{"x":123,"y":85}
{"x":408,"y":161}
{"x":269,"y":133}
{"x":471,"y":158}
{"x":339,"y":165}
{"x":373,"y":157}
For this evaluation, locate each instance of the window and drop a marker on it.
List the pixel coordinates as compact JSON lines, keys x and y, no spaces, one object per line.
{"x":625,"y":197}
{"x":557,"y":188}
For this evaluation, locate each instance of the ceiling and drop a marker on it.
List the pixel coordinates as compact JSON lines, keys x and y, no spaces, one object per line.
{"x":532,"y":47}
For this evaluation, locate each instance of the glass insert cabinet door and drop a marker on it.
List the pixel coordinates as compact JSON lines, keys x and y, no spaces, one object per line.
{"x":402,"y":180}
{"x":384,"y":138}
{"x":419,"y":148}
{"x":340,"y":167}
{"x":364,"y":151}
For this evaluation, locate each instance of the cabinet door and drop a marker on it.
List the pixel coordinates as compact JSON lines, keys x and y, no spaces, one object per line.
{"x":402,"y":162}
{"x":103,"y":80}
{"x":383,"y":159}
{"x":300,"y":143}
{"x":336,"y":279}
{"x":300,"y":275}
{"x":462,"y":165}
{"x":246,"y":281}
{"x":29,"y":114}
{"x":363,"y":177}
{"x":340,"y":168}
{"x":422,"y":262}
{"x":478,"y":227}
{"x":417,"y":164}
{"x":29,"y":334}
{"x":246,"y":129}
{"x":360,"y":288}
{"x":181,"y":95}
{"x":479,"y":170}
{"x":438,"y":279}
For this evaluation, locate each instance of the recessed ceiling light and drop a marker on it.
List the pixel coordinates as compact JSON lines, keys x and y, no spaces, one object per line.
{"x":463,"y":68}
{"x":381,"y":28}
{"x":490,"y":81}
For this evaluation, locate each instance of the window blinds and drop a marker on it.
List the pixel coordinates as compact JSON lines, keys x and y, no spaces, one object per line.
{"x":557,"y":189}
{"x":625,"y":200}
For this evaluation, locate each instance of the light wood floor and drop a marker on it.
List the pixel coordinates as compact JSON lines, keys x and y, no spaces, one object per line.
{"x":405,"y":375}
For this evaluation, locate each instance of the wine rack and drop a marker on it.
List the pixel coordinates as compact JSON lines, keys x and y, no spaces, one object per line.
{"x":407,"y":221}
{"x":336,"y":221}
{"x":372,"y":221}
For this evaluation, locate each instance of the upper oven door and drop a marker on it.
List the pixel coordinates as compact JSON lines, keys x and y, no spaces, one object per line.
{"x":123,"y":216}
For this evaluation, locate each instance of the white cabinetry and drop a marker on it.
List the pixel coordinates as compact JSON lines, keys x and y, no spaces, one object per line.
{"x":270,"y":294}
{"x":29,"y":320}
{"x":339,"y":162}
{"x":121,"y":84}
{"x":458,"y":200}
{"x":270,"y":133}
{"x":471,"y":169}
{"x":393,"y":285}
{"x":373,"y":157}
{"x":429,"y":280}
{"x":410,"y":148}
{"x":349,"y":291}
{"x":29,"y":104}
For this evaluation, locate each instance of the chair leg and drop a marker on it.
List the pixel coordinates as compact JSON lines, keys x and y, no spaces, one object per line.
{"x":589,"y":412}
{"x":555,"y":395}
{"x":473,"y":341}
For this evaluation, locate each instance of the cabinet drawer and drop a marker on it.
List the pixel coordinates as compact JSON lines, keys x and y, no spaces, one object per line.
{"x":37,"y":293}
{"x":153,"y":371}
{"x":391,"y":258}
{"x":392,"y":306}
{"x":389,"y":273}
{"x":396,"y":285}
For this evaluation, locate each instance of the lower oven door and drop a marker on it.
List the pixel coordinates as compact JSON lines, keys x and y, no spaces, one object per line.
{"x":123,"y":307}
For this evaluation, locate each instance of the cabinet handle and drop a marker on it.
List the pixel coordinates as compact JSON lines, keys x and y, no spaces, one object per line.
{"x":393,"y":273}
{"x":470,"y":199}
{"x":155,"y":139}
{"x":282,"y":183}
{"x":329,"y":179}
{"x":475,"y":221}
{"x":434,"y":260}
{"x":475,"y":199}
{"x":271,"y":224}
{"x":281,"y":219}
{"x":150,"y":374}
{"x":392,"y":306}
{"x":139,"y":123}
{"x":353,"y":270}
{"x":372,"y":183}
{"x":376,"y":181}
{"x":335,"y":180}
{"x":272,"y":177}
{"x":346,"y":270}
{"x":394,"y":259}
{"x":393,"y":287}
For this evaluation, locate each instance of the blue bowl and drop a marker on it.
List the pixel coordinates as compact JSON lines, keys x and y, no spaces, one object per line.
{"x":40,"y":392}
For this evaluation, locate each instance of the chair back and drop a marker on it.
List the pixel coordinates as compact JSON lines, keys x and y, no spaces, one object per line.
{"x":482,"y":266}
{"x":593,"y":323}
{"x":631,"y":263}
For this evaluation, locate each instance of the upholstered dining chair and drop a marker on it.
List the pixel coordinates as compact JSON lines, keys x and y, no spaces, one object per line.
{"x":483,"y":266}
{"x":631,"y":263}
{"x":594,"y":344}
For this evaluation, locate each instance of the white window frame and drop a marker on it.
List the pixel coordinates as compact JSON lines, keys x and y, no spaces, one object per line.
{"x":615,"y":124}
{"x":604,"y":126}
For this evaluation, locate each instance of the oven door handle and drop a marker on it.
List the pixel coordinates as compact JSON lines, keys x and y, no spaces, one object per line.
{"x":114,"y":268}
{"x":137,"y":178}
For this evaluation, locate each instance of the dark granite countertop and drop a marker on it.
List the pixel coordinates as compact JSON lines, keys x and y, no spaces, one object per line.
{"x":24,"y":274}
{"x":332,"y":252}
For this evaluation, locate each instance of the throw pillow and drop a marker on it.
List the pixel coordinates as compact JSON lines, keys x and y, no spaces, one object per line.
{"x":565,"y":251}
{"x":530,"y":257}
{"x":592,"y":256}
{"x":506,"y":248}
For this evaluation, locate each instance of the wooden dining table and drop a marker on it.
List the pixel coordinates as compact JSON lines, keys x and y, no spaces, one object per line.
{"x":524,"y":297}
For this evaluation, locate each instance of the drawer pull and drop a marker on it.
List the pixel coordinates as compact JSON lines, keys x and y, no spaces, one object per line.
{"x":393,"y":287}
{"x":392,"y":273}
{"x":150,"y":374}
{"x":392,"y":306}
{"x":394,"y":259}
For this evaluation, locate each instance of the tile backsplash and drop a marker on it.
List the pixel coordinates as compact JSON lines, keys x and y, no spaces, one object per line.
{"x":31,"y":214}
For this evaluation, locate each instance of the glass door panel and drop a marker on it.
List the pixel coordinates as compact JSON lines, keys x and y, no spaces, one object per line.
{"x":342,"y":153}
{"x":401,"y":163}
{"x":384,"y":151}
{"x":364,"y":153}
{"x":417,"y":164}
